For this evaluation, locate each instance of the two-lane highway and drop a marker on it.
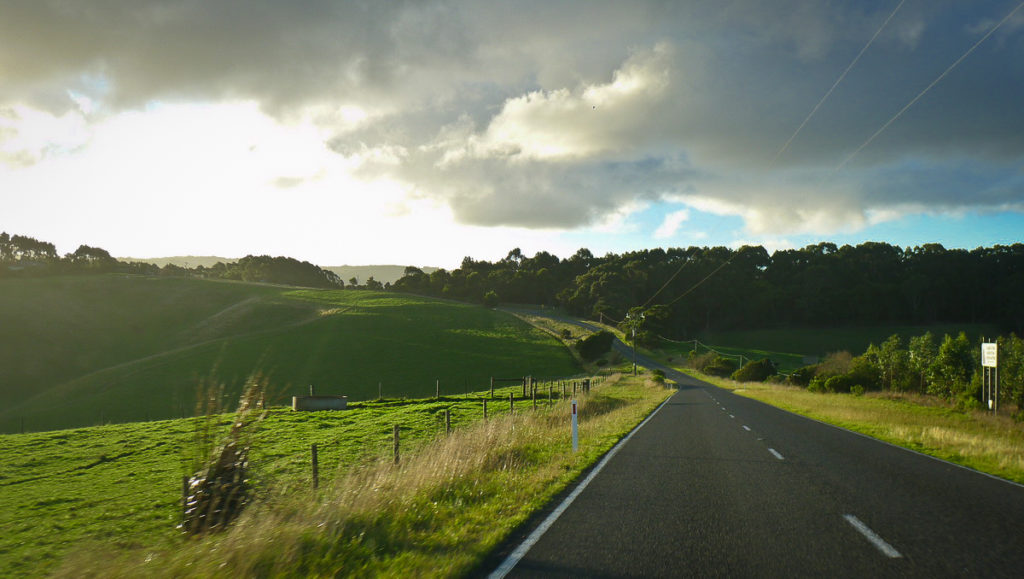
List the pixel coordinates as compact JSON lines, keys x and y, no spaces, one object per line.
{"x":715,"y":484}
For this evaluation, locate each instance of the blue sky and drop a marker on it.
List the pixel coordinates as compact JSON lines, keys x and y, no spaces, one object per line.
{"x":419,"y":133}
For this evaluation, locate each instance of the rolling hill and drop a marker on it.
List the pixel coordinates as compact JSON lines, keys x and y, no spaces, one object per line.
{"x":83,"y":350}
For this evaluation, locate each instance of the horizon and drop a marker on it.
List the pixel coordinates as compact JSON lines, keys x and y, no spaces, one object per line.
{"x":433,"y":132}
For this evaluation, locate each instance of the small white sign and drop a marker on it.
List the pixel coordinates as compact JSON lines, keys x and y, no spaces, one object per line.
{"x":989,"y":354}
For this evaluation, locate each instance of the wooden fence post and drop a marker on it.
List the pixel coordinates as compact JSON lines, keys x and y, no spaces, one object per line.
{"x":316,"y":467}
{"x":485,"y":409}
{"x":437,"y":385}
{"x":511,"y":402}
{"x":533,"y":394}
{"x":396,"y":443}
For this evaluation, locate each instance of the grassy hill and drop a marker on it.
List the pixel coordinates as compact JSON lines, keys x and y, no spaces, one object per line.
{"x":78,"y":351}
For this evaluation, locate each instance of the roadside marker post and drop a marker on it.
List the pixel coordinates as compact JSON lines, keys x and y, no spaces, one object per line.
{"x":575,"y":429}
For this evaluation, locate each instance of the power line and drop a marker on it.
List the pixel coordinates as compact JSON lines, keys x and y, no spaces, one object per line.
{"x":927,"y":88}
{"x":836,"y":83}
{"x":706,"y":278}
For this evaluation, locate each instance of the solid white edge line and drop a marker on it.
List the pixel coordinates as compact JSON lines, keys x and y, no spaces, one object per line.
{"x":775,"y":453}
{"x":877,"y":541}
{"x":747,"y":428}
{"x":510,"y":562}
{"x":896,"y":446}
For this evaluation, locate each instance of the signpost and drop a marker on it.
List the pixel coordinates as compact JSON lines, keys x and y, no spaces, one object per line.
{"x":990,"y":374}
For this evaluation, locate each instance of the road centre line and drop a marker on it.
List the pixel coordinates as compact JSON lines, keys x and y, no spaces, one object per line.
{"x":775,"y":453}
{"x":877,"y":541}
{"x":510,"y":562}
{"x":747,"y":428}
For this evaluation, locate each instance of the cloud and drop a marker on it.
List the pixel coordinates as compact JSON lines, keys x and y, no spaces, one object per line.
{"x":671,"y":224}
{"x":558,"y":115}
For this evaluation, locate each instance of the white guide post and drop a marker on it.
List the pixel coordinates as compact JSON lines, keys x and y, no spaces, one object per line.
{"x":575,"y":429}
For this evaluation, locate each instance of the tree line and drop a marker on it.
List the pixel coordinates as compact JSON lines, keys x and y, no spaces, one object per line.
{"x":675,"y":292}
{"x":949,"y":368}
{"x":681,"y":292}
{"x":23,"y":256}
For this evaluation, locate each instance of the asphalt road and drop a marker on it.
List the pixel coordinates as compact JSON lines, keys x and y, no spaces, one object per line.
{"x":719,"y":485}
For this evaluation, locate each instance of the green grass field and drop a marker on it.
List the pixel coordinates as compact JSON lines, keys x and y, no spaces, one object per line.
{"x":111,"y":493}
{"x":79,"y":351}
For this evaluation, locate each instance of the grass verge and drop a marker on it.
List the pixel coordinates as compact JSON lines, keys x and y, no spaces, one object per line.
{"x":450,"y":501}
{"x":977,"y":440}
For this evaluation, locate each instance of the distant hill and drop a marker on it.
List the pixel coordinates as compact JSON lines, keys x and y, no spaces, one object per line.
{"x":381,"y":273}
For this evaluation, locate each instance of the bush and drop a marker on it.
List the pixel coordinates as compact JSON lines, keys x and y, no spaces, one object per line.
{"x":817,"y":384}
{"x":758,"y":371}
{"x":857,"y":390}
{"x":840,"y":384}
{"x":803,"y":376}
{"x":490,"y":299}
{"x":566,"y":334}
{"x":594,"y":345}
{"x":721,"y":367}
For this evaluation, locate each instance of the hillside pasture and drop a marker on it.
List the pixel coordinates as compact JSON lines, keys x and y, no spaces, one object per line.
{"x":100,"y":349}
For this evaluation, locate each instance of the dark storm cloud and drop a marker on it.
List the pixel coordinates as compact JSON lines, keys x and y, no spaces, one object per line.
{"x":557,"y":114}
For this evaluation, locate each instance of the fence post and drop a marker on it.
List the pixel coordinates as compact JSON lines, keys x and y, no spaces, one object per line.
{"x":533,"y":395}
{"x":551,"y":393}
{"x":396,"y":443}
{"x":316,"y":467}
{"x":437,"y":385}
{"x":511,"y":402}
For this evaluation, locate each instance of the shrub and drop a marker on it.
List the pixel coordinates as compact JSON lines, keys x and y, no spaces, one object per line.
{"x":857,"y":390}
{"x":752,"y":371}
{"x":594,"y":345}
{"x":490,"y":299}
{"x":835,"y":363}
{"x":701,"y":361}
{"x":721,"y":367}
{"x":566,"y":334}
{"x":817,"y":384}
{"x":803,"y":376}
{"x":841,"y":384}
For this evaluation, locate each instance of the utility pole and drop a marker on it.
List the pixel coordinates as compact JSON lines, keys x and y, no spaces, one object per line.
{"x":634,"y":321}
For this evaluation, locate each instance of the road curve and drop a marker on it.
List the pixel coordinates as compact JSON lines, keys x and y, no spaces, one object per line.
{"x":715,"y":484}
